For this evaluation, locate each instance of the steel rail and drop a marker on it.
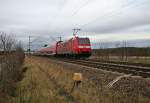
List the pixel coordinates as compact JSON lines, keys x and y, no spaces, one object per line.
{"x":143,"y":71}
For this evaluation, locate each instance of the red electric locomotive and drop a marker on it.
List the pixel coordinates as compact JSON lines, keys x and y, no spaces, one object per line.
{"x":74,"y":47}
{"x":77,"y":47}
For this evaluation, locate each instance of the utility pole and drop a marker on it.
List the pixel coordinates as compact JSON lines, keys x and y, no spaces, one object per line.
{"x":29,"y":48}
{"x":30,"y":41}
{"x":60,"y":38}
{"x":75,"y":30}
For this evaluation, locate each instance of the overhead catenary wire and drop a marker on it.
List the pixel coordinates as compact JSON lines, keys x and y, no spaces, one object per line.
{"x":86,"y":3}
{"x":60,"y":10}
{"x":111,"y":14}
{"x":108,"y":15}
{"x":77,"y":10}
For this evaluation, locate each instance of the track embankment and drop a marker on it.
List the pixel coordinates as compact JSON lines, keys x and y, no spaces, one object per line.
{"x":50,"y":81}
{"x":39,"y":85}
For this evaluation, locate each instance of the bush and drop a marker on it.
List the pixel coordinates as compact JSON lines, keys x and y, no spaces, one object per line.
{"x":11,"y":60}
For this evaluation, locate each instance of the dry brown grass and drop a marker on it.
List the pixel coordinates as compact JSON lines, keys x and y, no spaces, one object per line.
{"x":93,"y":88}
{"x":10,"y":74}
{"x":36,"y":87}
{"x":131,"y":59}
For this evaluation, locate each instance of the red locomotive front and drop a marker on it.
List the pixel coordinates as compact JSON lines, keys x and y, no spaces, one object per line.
{"x":82,"y":46}
{"x":76,"y":46}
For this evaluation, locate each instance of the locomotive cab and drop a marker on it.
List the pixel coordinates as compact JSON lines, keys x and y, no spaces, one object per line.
{"x":83,"y":47}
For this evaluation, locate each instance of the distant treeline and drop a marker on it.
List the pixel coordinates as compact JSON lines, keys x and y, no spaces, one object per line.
{"x":122,"y":51}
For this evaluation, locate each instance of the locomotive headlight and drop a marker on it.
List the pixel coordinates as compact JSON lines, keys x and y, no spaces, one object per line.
{"x":84,"y":47}
{"x":87,"y":47}
{"x":81,"y":46}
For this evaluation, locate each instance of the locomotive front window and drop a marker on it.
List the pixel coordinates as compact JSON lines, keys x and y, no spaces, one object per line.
{"x":84,"y":41}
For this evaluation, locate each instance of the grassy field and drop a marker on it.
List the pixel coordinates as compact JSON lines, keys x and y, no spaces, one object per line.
{"x":131,"y":59}
{"x":49,"y":81}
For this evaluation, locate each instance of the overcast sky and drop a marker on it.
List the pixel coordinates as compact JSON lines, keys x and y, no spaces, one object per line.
{"x":101,"y":20}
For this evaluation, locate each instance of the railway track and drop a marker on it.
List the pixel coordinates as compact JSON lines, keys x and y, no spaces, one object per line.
{"x":121,"y":62}
{"x":136,"y":69}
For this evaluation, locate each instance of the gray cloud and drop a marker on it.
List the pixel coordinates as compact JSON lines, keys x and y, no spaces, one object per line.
{"x":58,"y":17}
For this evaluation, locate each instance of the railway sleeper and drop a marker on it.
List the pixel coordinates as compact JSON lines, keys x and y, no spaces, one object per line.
{"x":127,"y":69}
{"x":145,"y":69}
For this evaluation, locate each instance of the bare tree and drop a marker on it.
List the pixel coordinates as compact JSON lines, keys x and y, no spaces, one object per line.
{"x":7,"y":42}
{"x":3,"y":40}
{"x":11,"y":62}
